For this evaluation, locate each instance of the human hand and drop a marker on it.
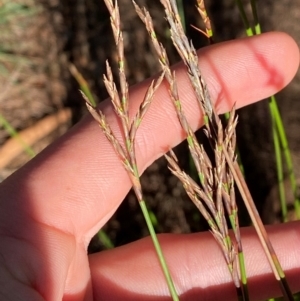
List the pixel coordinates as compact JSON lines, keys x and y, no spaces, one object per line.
{"x":51,"y":208}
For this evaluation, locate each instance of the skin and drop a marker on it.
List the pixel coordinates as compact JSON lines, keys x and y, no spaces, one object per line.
{"x":50,"y":208}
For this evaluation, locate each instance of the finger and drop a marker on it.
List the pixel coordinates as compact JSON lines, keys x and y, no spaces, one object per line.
{"x":197,"y":266}
{"x":72,"y":188}
{"x":79,"y":173}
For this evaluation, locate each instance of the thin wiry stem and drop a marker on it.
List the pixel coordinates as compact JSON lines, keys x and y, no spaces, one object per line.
{"x":255,"y":17}
{"x":126,"y":150}
{"x":286,"y":151}
{"x":280,"y":176}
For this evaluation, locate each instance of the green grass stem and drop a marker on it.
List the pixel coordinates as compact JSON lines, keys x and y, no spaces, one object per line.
{"x":278,"y":158}
{"x":241,"y":258}
{"x":257,"y":27}
{"x":153,"y":219}
{"x":286,"y":152}
{"x":14,"y":134}
{"x":243,"y":276}
{"x":180,"y":6}
{"x":104,"y":238}
{"x":83,"y":84}
{"x":274,"y":111}
{"x":243,"y":15}
{"x":159,"y":251}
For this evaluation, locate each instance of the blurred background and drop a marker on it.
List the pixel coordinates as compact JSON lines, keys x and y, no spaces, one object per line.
{"x":40,"y":100}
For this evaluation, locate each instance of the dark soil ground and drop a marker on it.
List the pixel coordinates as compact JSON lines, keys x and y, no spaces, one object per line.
{"x":78,"y":31}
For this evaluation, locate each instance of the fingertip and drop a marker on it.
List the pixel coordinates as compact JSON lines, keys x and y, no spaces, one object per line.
{"x":287,"y":48}
{"x":245,"y":71}
{"x":282,"y":52}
